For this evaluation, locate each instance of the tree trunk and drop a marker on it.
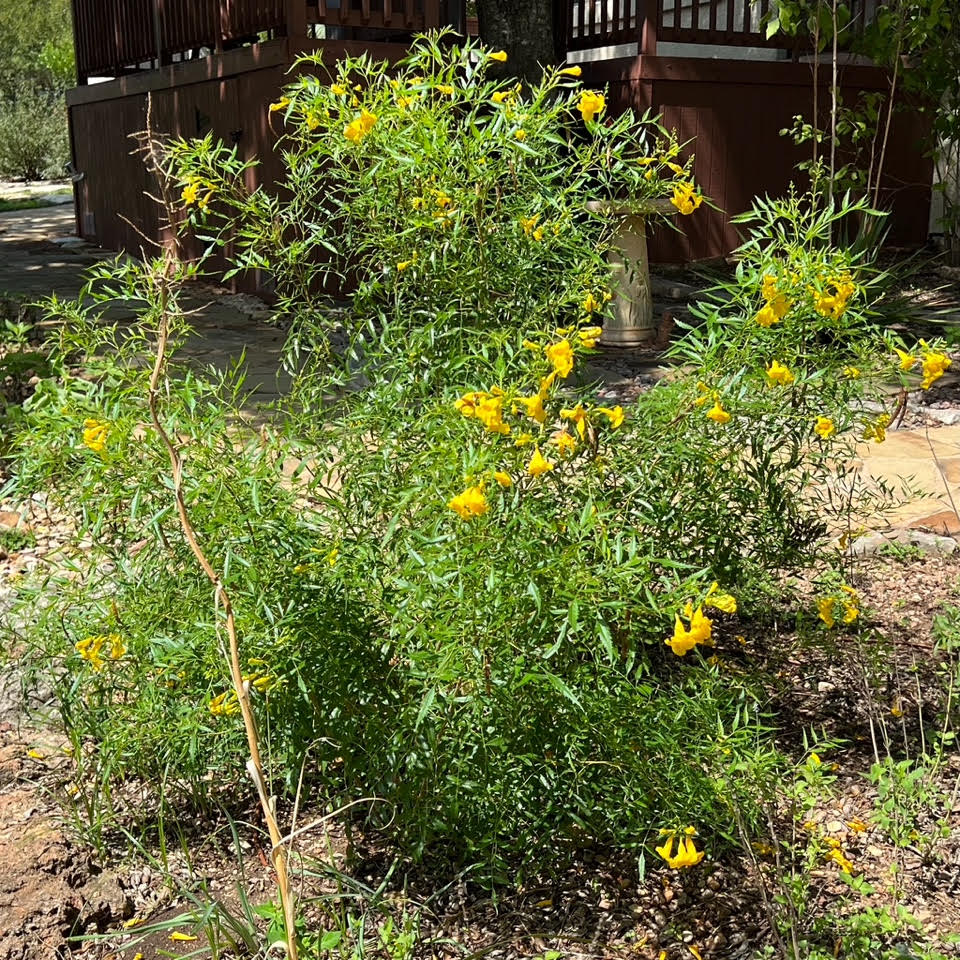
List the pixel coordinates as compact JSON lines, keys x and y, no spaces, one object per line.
{"x":529,"y":30}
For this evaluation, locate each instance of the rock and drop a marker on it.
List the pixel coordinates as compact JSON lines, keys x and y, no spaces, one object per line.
{"x":105,"y":904}
{"x":948,"y":417}
{"x":925,"y":542}
{"x":945,"y":523}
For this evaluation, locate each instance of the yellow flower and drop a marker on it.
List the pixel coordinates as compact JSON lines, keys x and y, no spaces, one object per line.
{"x":851,"y":373}
{"x":717,"y":414}
{"x":338,"y":89}
{"x":858,"y":826}
{"x":579,"y":418}
{"x":780,"y":306}
{"x":834,"y":304}
{"x":767,"y":317}
{"x":467,"y":404}
{"x":589,"y":336}
{"x":118,"y":647}
{"x":547,"y":382}
{"x":538,"y":234}
{"x":613,"y":414}
{"x":501,"y":95}
{"x":778,"y":373}
{"x":523,"y":439}
{"x":520,"y":134}
{"x":851,"y":605}
{"x":768,"y":288}
{"x":591,"y":103}
{"x":684,"y":198}
{"x":500,"y":56}
{"x":95,"y":434}
{"x":403,"y":264}
{"x":560,"y":356}
{"x":687,"y":854}
{"x":838,"y":857}
{"x":825,"y":609}
{"x":332,"y":557}
{"x":565,"y":443}
{"x":534,"y":406}
{"x":907,"y":360}
{"x":934,"y":366}
{"x":357,"y":129}
{"x":590,"y":303}
{"x":877,"y":430}
{"x":529,"y":223}
{"x":176,"y":936}
{"x":570,"y":72}
{"x":471,"y":503}
{"x":190,"y":192}
{"x":489,"y":411}
{"x":539,"y":464}
{"x":224,"y":704}
{"x":503,"y":479}
{"x":203,"y":204}
{"x":724,"y":602}
{"x":281,"y":104}
{"x":824,"y":427}
{"x":445,"y":89}
{"x":700,"y":631}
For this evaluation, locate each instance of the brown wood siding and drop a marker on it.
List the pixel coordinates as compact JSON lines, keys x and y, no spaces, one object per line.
{"x":732,"y":113}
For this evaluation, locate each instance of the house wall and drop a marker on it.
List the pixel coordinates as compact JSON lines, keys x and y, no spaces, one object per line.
{"x":732,"y":112}
{"x":227,"y":95}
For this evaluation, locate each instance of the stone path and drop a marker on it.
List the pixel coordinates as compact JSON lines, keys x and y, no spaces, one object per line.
{"x":39,"y":255}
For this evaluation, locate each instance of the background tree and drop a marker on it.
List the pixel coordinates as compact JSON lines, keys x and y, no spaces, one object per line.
{"x":36,"y":67}
{"x":531,"y":31}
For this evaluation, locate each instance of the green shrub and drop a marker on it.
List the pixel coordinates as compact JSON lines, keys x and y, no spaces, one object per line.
{"x":33,"y":137}
{"x":483,"y":599}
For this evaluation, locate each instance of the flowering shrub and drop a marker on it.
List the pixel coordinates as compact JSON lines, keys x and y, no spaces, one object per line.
{"x":487,"y":598}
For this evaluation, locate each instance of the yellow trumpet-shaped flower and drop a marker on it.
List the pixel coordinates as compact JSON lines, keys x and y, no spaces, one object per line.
{"x":578,"y":416}
{"x":570,"y":72}
{"x":687,"y":854}
{"x":779,"y":373}
{"x":717,"y":414}
{"x":724,"y":602}
{"x":591,"y":103}
{"x":907,"y":360}
{"x":501,"y":95}
{"x":539,"y":464}
{"x":95,"y":433}
{"x":471,"y":503}
{"x":560,"y":356}
{"x":358,"y":128}
{"x":503,"y":478}
{"x":684,"y":198}
{"x":281,"y":104}
{"x":613,"y":414}
{"x":824,"y":427}
{"x":825,"y":611}
{"x":700,"y":631}
{"x":934,"y":366}
{"x":534,"y":407}
{"x":566,"y":445}
{"x":499,"y":55}
{"x":589,"y":336}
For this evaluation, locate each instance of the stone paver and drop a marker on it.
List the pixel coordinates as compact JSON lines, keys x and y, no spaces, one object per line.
{"x":35,"y":262}
{"x":925,"y":461}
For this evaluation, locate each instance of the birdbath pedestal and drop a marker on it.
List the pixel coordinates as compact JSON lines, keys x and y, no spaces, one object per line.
{"x":630,"y":320}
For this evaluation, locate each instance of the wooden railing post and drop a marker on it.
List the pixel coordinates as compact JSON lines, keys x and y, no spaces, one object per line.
{"x":648,"y":16}
{"x":295,"y":17}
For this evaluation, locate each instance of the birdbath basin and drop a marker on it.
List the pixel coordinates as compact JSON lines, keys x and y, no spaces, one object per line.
{"x":630,"y":320}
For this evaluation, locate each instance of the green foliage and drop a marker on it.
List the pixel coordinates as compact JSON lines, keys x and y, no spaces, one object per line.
{"x":479,"y":601}
{"x":33,"y":136}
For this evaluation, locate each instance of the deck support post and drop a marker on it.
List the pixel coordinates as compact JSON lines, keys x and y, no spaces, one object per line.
{"x":648,"y":16}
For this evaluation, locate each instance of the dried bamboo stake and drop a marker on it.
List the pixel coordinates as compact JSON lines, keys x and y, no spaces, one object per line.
{"x":278,"y":854}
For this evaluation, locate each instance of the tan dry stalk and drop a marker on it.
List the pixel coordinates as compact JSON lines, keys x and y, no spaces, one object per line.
{"x":278,"y":853}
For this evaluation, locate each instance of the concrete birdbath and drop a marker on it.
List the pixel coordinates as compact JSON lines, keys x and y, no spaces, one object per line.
{"x":630,"y":320}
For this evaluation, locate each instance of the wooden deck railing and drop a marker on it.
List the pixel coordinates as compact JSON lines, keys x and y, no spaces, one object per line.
{"x":116,"y":36}
{"x":379,"y":14}
{"x":597,"y":23}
